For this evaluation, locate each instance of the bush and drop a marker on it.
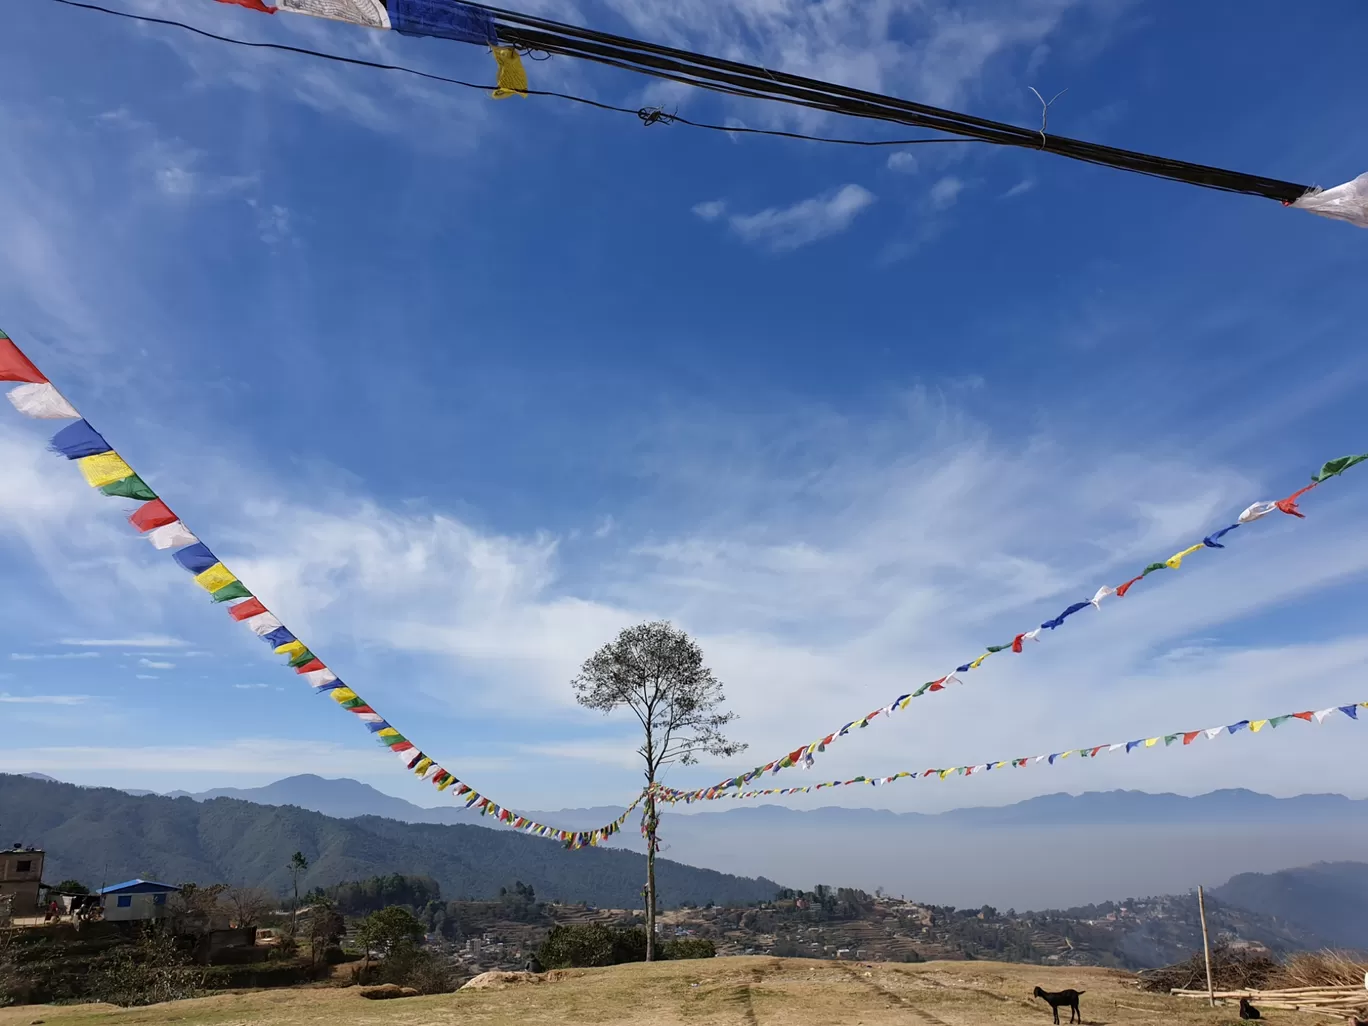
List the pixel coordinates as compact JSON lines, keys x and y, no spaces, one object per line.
{"x":689,"y":947}
{"x":593,"y":944}
{"x":152,"y":971}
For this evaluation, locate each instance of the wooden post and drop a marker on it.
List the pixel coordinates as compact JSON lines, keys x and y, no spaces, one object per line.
{"x":1206,"y":946}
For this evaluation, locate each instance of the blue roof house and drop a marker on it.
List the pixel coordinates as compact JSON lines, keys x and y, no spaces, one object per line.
{"x":135,"y":900}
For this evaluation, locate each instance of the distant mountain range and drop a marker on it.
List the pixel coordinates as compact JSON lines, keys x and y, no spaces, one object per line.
{"x":100,"y":835}
{"x":345,"y":798}
{"x":1066,"y":850}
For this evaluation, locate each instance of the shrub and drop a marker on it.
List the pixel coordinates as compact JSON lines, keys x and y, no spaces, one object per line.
{"x":689,"y":947}
{"x":152,"y":971}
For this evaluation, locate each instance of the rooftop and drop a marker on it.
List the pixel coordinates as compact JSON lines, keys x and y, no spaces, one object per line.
{"x":138,"y":887}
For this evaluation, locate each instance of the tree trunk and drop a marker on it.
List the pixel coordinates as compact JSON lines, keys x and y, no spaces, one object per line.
{"x":650,"y":877}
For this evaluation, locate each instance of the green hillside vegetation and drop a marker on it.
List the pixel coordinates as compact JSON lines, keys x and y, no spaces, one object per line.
{"x":100,"y":835}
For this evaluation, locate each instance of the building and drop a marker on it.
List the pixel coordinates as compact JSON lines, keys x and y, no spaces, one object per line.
{"x":135,"y":900}
{"x":21,"y":875}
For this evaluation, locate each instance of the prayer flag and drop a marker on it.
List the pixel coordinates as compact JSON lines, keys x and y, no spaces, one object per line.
{"x":196,"y":558}
{"x":170,"y":536}
{"x":132,"y":487}
{"x":103,"y":469}
{"x":246,"y":610}
{"x":42,"y":402}
{"x":79,"y":440}
{"x":15,"y":366}
{"x":152,"y":515}
{"x":216,"y":577}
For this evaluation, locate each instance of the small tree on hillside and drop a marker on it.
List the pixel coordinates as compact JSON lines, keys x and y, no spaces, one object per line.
{"x":299,"y":865}
{"x":657,"y":671}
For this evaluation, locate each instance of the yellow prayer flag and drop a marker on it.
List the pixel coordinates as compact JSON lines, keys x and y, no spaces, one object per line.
{"x":1150,"y":742}
{"x":103,"y":469}
{"x":291,"y":648}
{"x":1175,"y":561}
{"x":1258,"y":725}
{"x":446,"y":783}
{"x":343,"y":694}
{"x":976,"y":663}
{"x":422,"y":766}
{"x":903,"y":703}
{"x":512,"y":76}
{"x":945,"y":773}
{"x":216,"y":577}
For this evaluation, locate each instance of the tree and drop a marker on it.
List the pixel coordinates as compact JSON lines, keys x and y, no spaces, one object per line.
{"x":391,"y":931}
{"x":248,"y":905}
{"x":299,"y":865}
{"x":71,"y":887}
{"x":657,"y":671}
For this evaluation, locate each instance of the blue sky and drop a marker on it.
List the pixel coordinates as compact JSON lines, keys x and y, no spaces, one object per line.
{"x":462,"y":387}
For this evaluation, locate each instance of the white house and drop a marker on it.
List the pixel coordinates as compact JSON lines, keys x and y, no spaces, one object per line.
{"x":135,"y":899}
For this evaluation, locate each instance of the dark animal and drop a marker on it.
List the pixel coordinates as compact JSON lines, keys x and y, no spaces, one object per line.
{"x":1061,"y":998}
{"x":1248,"y":1011}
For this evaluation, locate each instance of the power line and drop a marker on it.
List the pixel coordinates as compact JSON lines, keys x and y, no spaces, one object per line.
{"x":647,"y":115}
{"x":737,"y":78}
{"x":747,"y":80}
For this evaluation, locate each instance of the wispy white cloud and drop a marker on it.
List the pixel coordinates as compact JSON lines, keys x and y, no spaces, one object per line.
{"x":31,"y":656}
{"x":148,"y":641}
{"x":945,"y":192}
{"x":710,"y":210}
{"x":782,"y":229}
{"x":903,"y":161}
{"x":9,"y":699}
{"x":1023,"y":186}
{"x":153,"y":664}
{"x":250,"y":687}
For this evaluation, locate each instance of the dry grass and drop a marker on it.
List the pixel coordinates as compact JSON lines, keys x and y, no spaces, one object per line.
{"x":714,"y":992}
{"x":1320,"y":969}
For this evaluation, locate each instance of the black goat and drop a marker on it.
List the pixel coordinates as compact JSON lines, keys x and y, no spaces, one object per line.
{"x":1248,"y":1011}
{"x":1061,"y":998}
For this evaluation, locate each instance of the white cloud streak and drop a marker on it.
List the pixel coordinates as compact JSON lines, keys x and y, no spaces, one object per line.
{"x":782,"y":229}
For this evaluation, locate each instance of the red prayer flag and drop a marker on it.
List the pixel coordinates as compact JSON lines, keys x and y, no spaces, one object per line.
{"x":795,"y":755}
{"x":938,"y":686}
{"x":151,"y":515}
{"x":1016,"y":643}
{"x":1289,"y":504}
{"x":402,"y":746}
{"x":15,"y":366}
{"x":1121,"y":591}
{"x":251,"y":5}
{"x":1303,"y":716}
{"x":1190,"y":737}
{"x":241,"y":611}
{"x":311,"y":665}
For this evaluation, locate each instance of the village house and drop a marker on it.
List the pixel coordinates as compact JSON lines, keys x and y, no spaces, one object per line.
{"x":135,"y":900}
{"x":21,"y":877}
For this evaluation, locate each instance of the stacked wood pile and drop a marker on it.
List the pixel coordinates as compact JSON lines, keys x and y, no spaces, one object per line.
{"x":1345,"y":1002}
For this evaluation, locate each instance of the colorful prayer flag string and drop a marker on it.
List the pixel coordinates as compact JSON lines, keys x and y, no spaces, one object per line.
{"x":1187,"y":737}
{"x":105,"y":469}
{"x":806,"y":754}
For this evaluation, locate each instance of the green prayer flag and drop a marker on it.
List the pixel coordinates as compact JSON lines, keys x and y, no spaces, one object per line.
{"x":1170,"y":738}
{"x":1155,"y":566}
{"x":352,"y":703}
{"x":1277,"y":720}
{"x":304,"y":657}
{"x":998,"y":648}
{"x":1339,"y":466}
{"x":131,"y":487}
{"x":231,"y":591}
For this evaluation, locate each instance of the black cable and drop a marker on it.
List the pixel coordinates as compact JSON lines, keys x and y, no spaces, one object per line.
{"x":648,"y":115}
{"x":710,"y":72}
{"x":734,"y":78}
